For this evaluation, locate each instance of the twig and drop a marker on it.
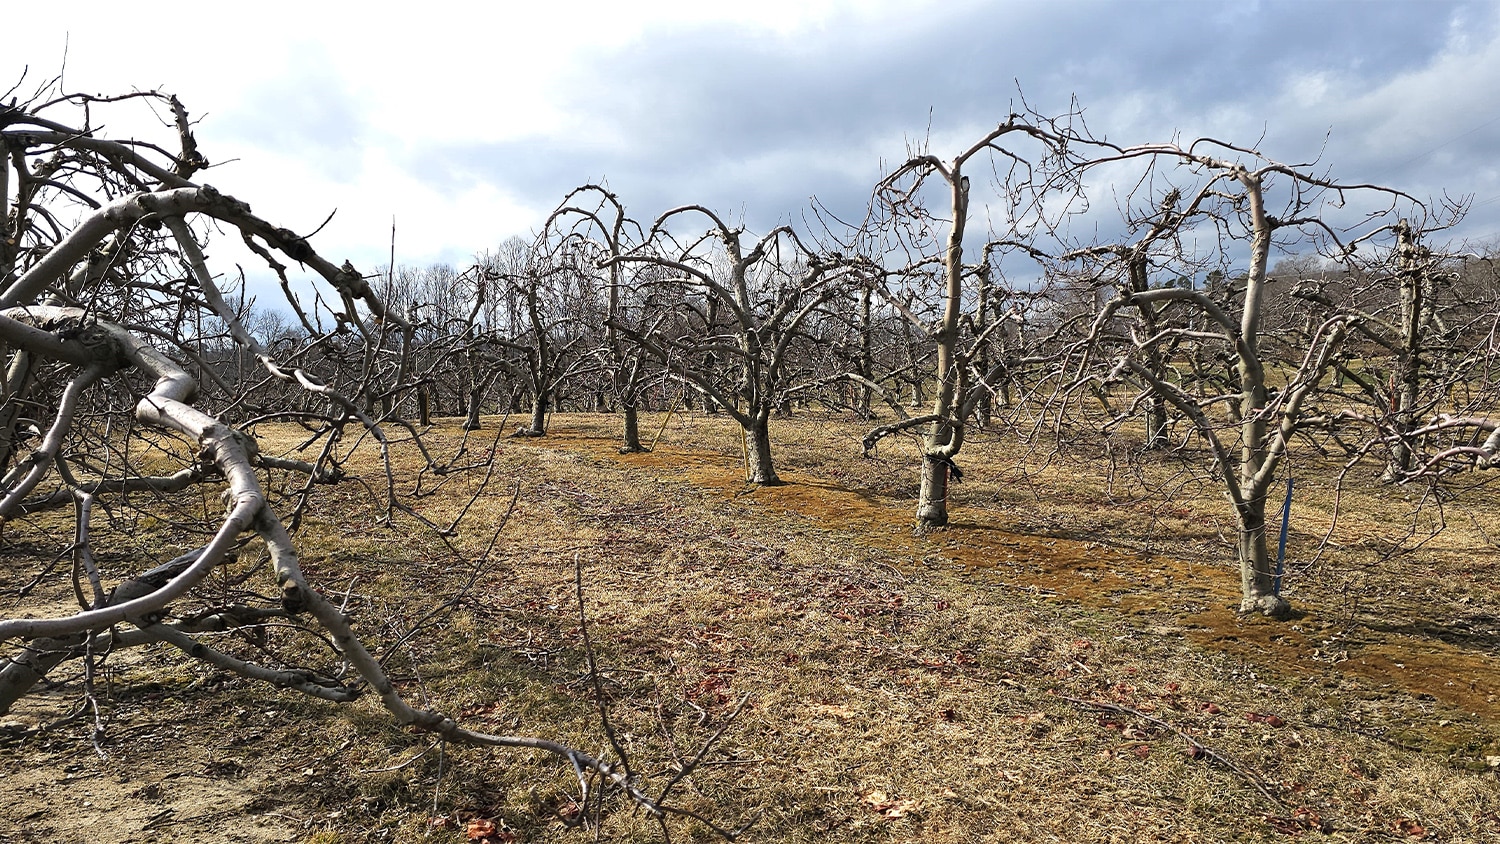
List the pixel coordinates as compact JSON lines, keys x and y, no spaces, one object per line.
{"x":588,"y":652}
{"x":1207,"y":752}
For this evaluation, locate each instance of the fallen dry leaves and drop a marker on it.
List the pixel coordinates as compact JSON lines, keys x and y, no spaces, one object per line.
{"x":483,"y":831}
{"x":889,"y":808}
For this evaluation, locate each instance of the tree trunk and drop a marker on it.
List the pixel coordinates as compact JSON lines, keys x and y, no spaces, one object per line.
{"x":932,"y":501}
{"x":632,"y":429}
{"x":17,"y":376}
{"x":1416,"y":313}
{"x":758,"y":448}
{"x":710,"y":407}
{"x":476,"y":398}
{"x":1257,"y":590}
{"x":1156,"y":423}
{"x":1405,"y":402}
{"x":539,"y":414}
{"x":424,"y":407}
{"x":1257,"y":569}
{"x":866,"y":354}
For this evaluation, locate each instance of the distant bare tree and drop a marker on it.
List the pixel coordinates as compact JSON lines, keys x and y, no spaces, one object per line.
{"x":591,"y":216}
{"x":1455,"y":367}
{"x":922,"y":210}
{"x":765,"y":289}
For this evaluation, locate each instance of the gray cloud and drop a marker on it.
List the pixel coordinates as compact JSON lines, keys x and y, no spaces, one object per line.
{"x":760,"y":123}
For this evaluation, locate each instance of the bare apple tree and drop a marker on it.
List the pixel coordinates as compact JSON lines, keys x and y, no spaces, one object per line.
{"x":1437,"y":404}
{"x":589,"y":223}
{"x":766,"y":289}
{"x":918,"y":230}
{"x":1157,"y":323}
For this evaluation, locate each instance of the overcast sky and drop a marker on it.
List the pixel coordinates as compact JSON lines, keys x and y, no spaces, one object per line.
{"x":468,"y":122}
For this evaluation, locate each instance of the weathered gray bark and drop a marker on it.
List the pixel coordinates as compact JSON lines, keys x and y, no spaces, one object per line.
{"x":1156,"y":423}
{"x":1257,"y":459}
{"x":945,"y":436}
{"x":866,"y":354}
{"x":631,"y":429}
{"x":1417,"y":312}
{"x":1257,"y":569}
{"x":475,"y":404}
{"x":539,"y":403}
{"x":762,"y":470}
{"x":16,"y":378}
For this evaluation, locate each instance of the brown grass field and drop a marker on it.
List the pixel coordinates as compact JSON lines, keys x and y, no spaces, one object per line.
{"x":1063,"y":663}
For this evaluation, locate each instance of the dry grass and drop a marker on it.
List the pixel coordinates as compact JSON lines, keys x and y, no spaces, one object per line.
{"x":899,"y":688}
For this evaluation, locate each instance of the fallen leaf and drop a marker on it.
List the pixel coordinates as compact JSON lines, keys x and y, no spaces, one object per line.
{"x":900,"y":809}
{"x":1410,"y":827}
{"x":479,"y":828}
{"x":890,"y":809}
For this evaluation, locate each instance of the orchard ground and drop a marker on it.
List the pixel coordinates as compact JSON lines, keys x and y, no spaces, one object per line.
{"x":1063,"y":662}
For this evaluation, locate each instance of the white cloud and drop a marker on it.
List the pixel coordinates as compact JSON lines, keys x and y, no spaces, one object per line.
{"x":412,"y":112}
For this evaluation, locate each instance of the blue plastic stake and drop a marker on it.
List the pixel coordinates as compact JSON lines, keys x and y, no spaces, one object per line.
{"x":1286,"y":518}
